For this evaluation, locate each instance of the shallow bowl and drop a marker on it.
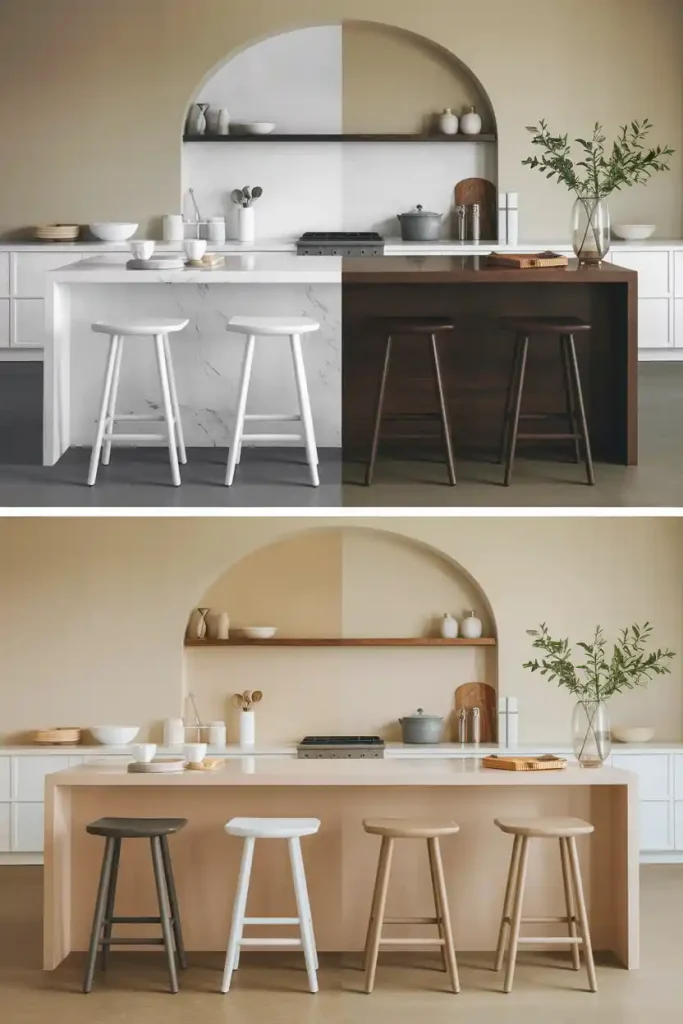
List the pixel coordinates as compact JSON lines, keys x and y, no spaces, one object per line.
{"x":260,"y":632}
{"x":632,"y":734}
{"x":251,"y":127}
{"x":113,"y":231}
{"x":633,"y":232}
{"x":115,"y":735}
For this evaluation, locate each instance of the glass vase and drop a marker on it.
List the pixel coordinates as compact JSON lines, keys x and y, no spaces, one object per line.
{"x":590,"y":229}
{"x":591,"y":738}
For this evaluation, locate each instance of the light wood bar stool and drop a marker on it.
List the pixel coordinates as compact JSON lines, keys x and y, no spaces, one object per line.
{"x":391,"y":829}
{"x":565,"y":830}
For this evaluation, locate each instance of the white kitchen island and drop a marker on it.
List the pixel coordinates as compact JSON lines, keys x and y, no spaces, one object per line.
{"x":206,"y":357}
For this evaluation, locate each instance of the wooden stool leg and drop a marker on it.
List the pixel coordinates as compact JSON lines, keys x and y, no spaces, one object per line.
{"x":111,"y":410}
{"x":173,"y":900}
{"x":100,"y":908}
{"x":168,"y":408}
{"x":569,"y":393}
{"x":582,"y":411}
{"x":439,"y":916}
{"x":164,"y":910}
{"x":104,"y":406}
{"x":516,"y":914}
{"x":569,"y":902}
{"x":370,"y":470}
{"x":509,"y":398}
{"x":375,"y":933}
{"x":517,"y":408}
{"x":507,"y":902}
{"x":111,"y":899}
{"x":238,"y":912}
{"x":375,"y":902}
{"x":582,"y":912}
{"x":445,"y":424}
{"x":236,"y":443}
{"x":303,"y":911}
{"x":182,"y":454}
{"x":444,"y":914}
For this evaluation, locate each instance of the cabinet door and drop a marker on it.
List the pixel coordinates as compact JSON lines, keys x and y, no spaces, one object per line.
{"x":27,"y":828}
{"x":678,"y":323}
{"x":678,"y":776}
{"x":4,"y":779}
{"x":28,"y":329}
{"x":4,"y":274}
{"x":5,"y":844}
{"x":4,"y":322}
{"x":30,"y":269}
{"x":28,"y":774}
{"x":653,"y":271}
{"x":652,"y":771}
{"x":654,"y":323}
{"x":655,"y":831}
{"x":678,"y":274}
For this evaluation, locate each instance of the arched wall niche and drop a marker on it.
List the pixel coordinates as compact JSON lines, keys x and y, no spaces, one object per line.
{"x":355,"y":581}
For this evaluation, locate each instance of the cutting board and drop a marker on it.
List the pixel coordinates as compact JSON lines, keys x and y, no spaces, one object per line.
{"x":482,"y":696}
{"x":484,"y":192}
{"x":527,"y":260}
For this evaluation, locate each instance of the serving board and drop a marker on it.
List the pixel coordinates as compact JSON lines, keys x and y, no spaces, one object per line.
{"x":483,"y":192}
{"x":526,"y":260}
{"x":525,"y":764}
{"x":482,"y":696}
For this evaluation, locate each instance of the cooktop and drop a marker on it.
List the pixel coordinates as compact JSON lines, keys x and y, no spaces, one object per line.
{"x":341,"y":746}
{"x":340,"y":243}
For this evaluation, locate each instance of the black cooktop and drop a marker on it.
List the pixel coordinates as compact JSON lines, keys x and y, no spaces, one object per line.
{"x":341,"y":236}
{"x":339,"y":741}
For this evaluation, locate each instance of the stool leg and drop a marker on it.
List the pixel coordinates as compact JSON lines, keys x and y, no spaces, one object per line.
{"x":374,"y":903}
{"x":173,"y":900}
{"x":439,"y":918}
{"x":168,"y":408}
{"x":238,"y":912}
{"x":517,"y":408}
{"x":569,"y":392}
{"x":569,"y":902}
{"x":582,"y":912}
{"x":236,"y":443}
{"x":303,"y":911}
{"x":375,"y":932}
{"x":508,"y":901}
{"x":445,"y":424}
{"x":111,"y":898}
{"x":582,"y":411}
{"x":182,"y":454}
{"x":164,"y":910}
{"x":111,"y":410}
{"x":370,"y":469}
{"x":305,"y":407}
{"x":509,"y":398}
{"x":102,"y":421}
{"x":516,"y":914}
{"x":100,"y":909}
{"x":444,"y":913}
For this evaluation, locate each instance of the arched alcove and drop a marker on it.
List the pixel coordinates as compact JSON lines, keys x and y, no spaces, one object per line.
{"x":341,"y":582}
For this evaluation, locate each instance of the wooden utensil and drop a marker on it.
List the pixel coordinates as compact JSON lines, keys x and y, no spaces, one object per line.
{"x":482,"y":696}
{"x":484,"y":193}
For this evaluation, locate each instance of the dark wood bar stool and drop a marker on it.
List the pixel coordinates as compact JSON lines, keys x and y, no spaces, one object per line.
{"x":563,"y":328}
{"x":427,"y":329}
{"x":157,"y":830}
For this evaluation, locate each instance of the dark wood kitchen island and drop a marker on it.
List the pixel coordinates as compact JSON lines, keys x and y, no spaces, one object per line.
{"x":476,"y":358}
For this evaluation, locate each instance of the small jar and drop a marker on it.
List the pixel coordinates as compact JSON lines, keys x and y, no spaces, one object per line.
{"x":216,"y":229}
{"x":471,"y":627}
{"x":449,"y":627}
{"x":470,"y":123}
{"x":217,"y":735}
{"x":448,"y":122}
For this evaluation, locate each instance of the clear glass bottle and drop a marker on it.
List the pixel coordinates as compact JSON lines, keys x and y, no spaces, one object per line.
{"x":590,"y":229}
{"x":591,"y":737}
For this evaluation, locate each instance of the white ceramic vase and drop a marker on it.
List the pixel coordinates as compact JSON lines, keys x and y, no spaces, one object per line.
{"x":247,"y":728}
{"x":196,"y":121}
{"x":223,"y":121}
{"x":449,"y":627}
{"x":246,"y":224}
{"x":471,"y":627}
{"x":448,"y":122}
{"x":470,"y":123}
{"x":223,"y":626}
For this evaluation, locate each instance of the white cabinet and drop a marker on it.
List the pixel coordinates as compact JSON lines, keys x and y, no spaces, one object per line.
{"x":4,"y":274}
{"x":28,"y":329}
{"x":4,"y":779}
{"x":5,"y":836}
{"x":653,"y":271}
{"x":30,"y":268}
{"x":28,"y":774}
{"x":653,"y":771}
{"x":4,"y":322}
{"x":678,"y":776}
{"x":656,"y":825}
{"x":27,"y":828}
{"x":654,"y":323}
{"x":656,"y":791}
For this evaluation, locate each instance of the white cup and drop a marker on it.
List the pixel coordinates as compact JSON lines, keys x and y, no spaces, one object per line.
{"x":144,"y":752}
{"x":194,"y":753}
{"x":142,"y":250}
{"x":194,"y":248}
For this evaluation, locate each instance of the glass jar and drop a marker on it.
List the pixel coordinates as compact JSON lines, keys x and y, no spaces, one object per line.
{"x":590,"y":229}
{"x":591,"y":738}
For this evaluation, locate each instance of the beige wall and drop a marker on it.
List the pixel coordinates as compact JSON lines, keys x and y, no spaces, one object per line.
{"x":93,"y":94}
{"x":93,"y":612}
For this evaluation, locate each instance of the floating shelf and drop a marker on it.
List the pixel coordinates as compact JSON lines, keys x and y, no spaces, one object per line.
{"x":340,"y":138}
{"x":411,"y":641}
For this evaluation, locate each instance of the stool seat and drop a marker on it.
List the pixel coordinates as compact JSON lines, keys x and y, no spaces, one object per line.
{"x":410,"y":828}
{"x":135,"y":828}
{"x":545,"y":324}
{"x":544,"y":828}
{"x":272,"y":325}
{"x":272,"y":828}
{"x":142,"y":327}
{"x":413,"y":324}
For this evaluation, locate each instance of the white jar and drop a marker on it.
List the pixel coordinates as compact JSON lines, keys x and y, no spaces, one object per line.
{"x":222,"y":626}
{"x":174,"y":732}
{"x":217,"y":735}
{"x":471,"y":627}
{"x":448,"y":122}
{"x":449,"y":627}
{"x":173,"y":229}
{"x":246,"y":224}
{"x":247,"y":728}
{"x":470,"y":123}
{"x":223,"y":121}
{"x":216,"y":229}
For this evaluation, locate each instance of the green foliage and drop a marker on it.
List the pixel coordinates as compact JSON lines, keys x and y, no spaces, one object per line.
{"x":597,"y":678}
{"x":599,"y":173}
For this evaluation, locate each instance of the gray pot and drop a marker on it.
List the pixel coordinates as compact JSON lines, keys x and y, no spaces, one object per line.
{"x":420,"y":226}
{"x":421,"y":728}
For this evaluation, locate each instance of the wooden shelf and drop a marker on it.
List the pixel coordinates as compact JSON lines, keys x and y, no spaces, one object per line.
{"x":340,"y":138}
{"x":411,"y":641}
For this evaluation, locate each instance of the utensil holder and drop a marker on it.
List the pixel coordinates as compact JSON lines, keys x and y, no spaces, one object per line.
{"x":246,"y":224}
{"x":247,"y":728}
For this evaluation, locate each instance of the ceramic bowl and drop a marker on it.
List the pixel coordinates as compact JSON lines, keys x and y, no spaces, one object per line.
{"x":260,"y":632}
{"x":194,"y":753}
{"x":251,"y":127}
{"x":113,"y":231}
{"x":194,"y":248}
{"x":633,"y":232}
{"x":115,"y":735}
{"x":144,"y":752}
{"x":632,"y":734}
{"x":142,"y":250}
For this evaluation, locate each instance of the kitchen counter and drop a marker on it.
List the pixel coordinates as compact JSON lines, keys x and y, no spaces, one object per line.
{"x":340,"y":858}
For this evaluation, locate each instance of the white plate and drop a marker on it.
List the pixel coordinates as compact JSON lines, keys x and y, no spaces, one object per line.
{"x":157,"y":263}
{"x":161,"y":764}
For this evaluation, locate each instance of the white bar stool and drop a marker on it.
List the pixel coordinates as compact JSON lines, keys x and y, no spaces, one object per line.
{"x":159,"y":330}
{"x":291,"y":829}
{"x":272,"y":326}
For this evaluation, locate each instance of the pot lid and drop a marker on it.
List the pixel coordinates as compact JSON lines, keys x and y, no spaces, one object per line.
{"x":419,"y":212}
{"x":420,"y":716}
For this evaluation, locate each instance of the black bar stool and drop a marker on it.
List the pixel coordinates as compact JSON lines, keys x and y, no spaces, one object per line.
{"x":428,"y":329}
{"x":156,"y":830}
{"x":563,"y":328}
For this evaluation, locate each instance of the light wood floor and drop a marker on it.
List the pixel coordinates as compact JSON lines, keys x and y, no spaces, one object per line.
{"x":271,"y":989}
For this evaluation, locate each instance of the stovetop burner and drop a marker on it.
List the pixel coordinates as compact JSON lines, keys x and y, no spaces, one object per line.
{"x":341,"y":746}
{"x":340,"y":243}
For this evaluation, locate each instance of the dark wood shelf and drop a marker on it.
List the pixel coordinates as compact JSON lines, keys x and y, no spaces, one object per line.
{"x":411,"y":641}
{"x":339,"y":138}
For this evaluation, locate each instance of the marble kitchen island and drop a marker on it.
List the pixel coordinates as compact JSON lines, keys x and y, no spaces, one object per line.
{"x":206,"y":357}
{"x":340,"y":859}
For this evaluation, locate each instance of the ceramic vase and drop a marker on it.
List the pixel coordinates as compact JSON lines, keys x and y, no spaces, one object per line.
{"x":470,"y":123}
{"x":471,"y":627}
{"x":196,"y":627}
{"x":223,"y":626}
{"x":223,"y":122}
{"x":196,"y":120}
{"x":247,"y":728}
{"x":449,"y":627}
{"x":246,"y":224}
{"x":448,"y":122}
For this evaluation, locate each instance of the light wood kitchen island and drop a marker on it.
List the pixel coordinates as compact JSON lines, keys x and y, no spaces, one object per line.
{"x":340,"y":859}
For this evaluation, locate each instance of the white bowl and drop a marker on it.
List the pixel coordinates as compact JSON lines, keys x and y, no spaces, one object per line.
{"x":633,"y":232}
{"x":142,"y":249}
{"x":632,"y":734}
{"x":260,"y":632}
{"x":251,"y":127}
{"x":113,"y":231}
{"x":144,"y":752}
{"x":194,"y":248}
{"x":115,"y":735}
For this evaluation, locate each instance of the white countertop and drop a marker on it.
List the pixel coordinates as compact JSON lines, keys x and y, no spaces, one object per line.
{"x":247,"y":268}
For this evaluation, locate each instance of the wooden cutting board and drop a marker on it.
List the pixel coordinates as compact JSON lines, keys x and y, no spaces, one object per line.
{"x":526,"y":260}
{"x":482,"y":696}
{"x":484,"y":192}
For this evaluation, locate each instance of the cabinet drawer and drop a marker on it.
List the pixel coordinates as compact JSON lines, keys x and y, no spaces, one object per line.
{"x":28,"y":775}
{"x":5,"y":844}
{"x":653,"y":271}
{"x":654,"y":323}
{"x":30,"y":269}
{"x":652,"y":771}
{"x":4,"y":274}
{"x":28,"y":329}
{"x":4,"y":322}
{"x":655,"y":829}
{"x":27,"y":828}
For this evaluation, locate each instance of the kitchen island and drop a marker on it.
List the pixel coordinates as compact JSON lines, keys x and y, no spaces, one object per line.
{"x":206,"y":357}
{"x":477,"y":357}
{"x":340,"y":859}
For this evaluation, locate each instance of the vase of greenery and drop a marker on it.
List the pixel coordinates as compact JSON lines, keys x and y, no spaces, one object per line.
{"x":596,"y":175}
{"x":597,"y":679}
